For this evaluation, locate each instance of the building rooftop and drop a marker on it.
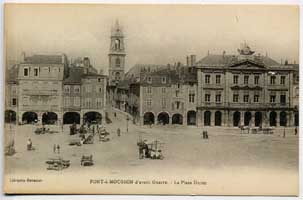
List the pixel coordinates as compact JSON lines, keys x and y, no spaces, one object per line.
{"x":44,"y":59}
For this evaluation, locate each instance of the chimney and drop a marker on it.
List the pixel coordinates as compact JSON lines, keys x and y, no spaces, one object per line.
{"x":86,"y":62}
{"x":192,"y":60}
{"x":224,"y":54}
{"x":101,"y":72}
{"x":187,"y":60}
{"x":286,"y":62}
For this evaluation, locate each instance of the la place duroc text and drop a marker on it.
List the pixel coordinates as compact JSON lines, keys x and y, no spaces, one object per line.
{"x":146,"y":182}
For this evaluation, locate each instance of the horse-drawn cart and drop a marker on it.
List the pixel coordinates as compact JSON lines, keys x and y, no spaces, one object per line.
{"x":57,"y":164}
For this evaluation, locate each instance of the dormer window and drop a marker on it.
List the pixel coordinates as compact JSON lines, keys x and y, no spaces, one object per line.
{"x":163,"y":79}
{"x":36,"y":72}
{"x":149,"y":79}
{"x":25,"y":71}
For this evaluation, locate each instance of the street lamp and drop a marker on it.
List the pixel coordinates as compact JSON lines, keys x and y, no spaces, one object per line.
{"x":127,"y":119}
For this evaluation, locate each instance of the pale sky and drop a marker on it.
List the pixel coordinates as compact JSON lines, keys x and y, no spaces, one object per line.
{"x":157,"y":34}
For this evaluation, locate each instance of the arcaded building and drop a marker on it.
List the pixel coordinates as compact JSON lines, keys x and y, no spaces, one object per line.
{"x":48,"y":89}
{"x":244,"y":89}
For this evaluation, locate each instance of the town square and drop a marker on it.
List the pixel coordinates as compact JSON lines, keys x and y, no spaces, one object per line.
{"x":125,"y":113}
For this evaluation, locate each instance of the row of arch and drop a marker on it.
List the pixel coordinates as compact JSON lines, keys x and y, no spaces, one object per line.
{"x":52,"y":117}
{"x":248,"y":118}
{"x":164,"y":118}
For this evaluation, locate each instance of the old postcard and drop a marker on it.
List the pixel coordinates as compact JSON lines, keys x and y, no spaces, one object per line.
{"x":151,"y":99}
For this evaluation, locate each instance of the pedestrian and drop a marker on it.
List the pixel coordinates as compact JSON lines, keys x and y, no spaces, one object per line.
{"x":29,"y":144}
{"x":58,"y":148}
{"x":54,"y":148}
{"x":118,"y":132}
{"x":296,"y":130}
{"x":141,"y":155}
{"x":115,"y":114}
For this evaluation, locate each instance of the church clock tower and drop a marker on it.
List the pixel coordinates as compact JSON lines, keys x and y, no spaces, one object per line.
{"x":116,"y":55}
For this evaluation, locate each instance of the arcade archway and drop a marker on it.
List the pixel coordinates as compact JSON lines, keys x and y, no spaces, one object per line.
{"x":10,"y":116}
{"x":92,"y":117}
{"x":49,"y":118}
{"x":218,"y":118}
{"x":207,"y":118}
{"x":29,"y":117}
{"x":163,"y":118}
{"x":71,"y":118}
{"x":177,"y":119}
{"x":191,"y":117}
{"x":148,"y":118}
{"x":247,"y":118}
{"x":236,"y":118}
{"x":283,"y":118}
{"x":258,"y":119}
{"x":273,"y":118}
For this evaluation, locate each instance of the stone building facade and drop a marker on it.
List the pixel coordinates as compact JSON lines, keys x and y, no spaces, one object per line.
{"x":47,"y":89}
{"x":244,"y":89}
{"x":40,"y":81}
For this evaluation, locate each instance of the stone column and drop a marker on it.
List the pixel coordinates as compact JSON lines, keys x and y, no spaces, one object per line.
{"x":40,"y":118}
{"x":252,"y":121}
{"x":290,"y":119}
{"x":212,"y":118}
{"x":242,"y":118}
{"x":278,"y":118}
{"x":199,"y":119}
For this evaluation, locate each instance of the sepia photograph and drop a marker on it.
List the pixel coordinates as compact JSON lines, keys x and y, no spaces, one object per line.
{"x":151,"y":99}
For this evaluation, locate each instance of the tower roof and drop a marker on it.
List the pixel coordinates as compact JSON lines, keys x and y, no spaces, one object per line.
{"x":117,"y":30}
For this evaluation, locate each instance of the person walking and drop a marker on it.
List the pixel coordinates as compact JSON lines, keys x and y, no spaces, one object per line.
{"x":296,"y":130}
{"x":118,"y":132}
{"x":58,"y":148}
{"x":29,"y":144}
{"x":54,"y":148}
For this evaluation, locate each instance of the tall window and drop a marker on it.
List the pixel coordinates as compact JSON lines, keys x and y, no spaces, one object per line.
{"x":207,"y":79}
{"x":118,"y":62}
{"x":235,"y":98}
{"x":282,"y":81}
{"x":117,"y":76}
{"x":256,"y":98}
{"x":218,"y":79}
{"x":257,"y":80}
{"x":149,"y":103}
{"x":246,"y":80}
{"x":245,"y":98}
{"x":163,"y":90}
{"x":76,"y":89}
{"x":25,"y":72}
{"x":99,"y":102}
{"x":149,"y":90}
{"x":218,"y":98}
{"x":66,"y":88}
{"x":272,"y":98}
{"x":66,"y":101}
{"x":36,"y":71}
{"x":191,"y":98}
{"x":163,"y":80}
{"x":283,"y":99}
{"x":14,"y":101}
{"x":236,"y":78}
{"x":77,"y":101}
{"x":272,"y":80}
{"x":149,"y":79}
{"x":163,"y":103}
{"x":207,"y":97}
{"x":178,"y":104}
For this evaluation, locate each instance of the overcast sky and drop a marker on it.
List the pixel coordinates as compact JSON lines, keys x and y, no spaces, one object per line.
{"x":153,"y":34}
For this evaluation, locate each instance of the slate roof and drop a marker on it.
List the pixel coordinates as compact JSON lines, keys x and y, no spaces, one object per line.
{"x":12,"y":74}
{"x":44,"y":59}
{"x":220,"y":60}
{"x":75,"y":75}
